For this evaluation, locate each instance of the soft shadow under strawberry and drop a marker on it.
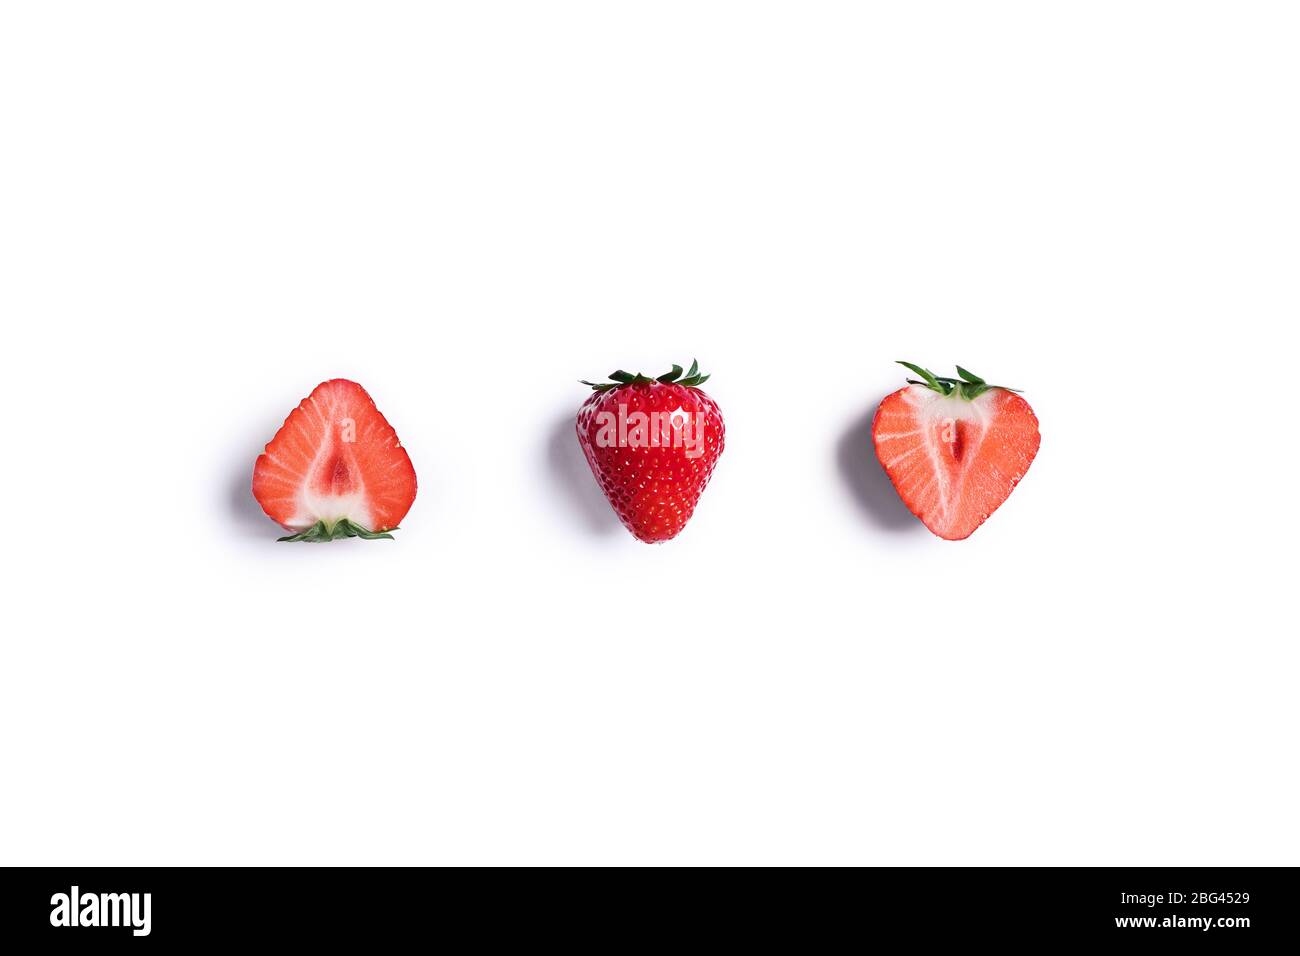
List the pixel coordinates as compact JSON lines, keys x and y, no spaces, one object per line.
{"x":571,"y":474}
{"x":861,"y":472}
{"x":246,"y":514}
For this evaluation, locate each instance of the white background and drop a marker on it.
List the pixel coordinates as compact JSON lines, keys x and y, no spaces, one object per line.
{"x":207,"y":209}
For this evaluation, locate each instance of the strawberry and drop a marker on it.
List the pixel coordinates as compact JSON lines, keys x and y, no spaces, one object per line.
{"x":954,"y":447}
{"x":335,"y":469}
{"x":652,"y":444}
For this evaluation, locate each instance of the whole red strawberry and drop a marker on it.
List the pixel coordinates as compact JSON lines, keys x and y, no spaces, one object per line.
{"x":335,"y":469}
{"x":954,"y":447}
{"x":652,"y":444}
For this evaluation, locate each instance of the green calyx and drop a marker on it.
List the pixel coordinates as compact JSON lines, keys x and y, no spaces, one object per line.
{"x":674,"y":376}
{"x":343,"y":528}
{"x":969,"y":386}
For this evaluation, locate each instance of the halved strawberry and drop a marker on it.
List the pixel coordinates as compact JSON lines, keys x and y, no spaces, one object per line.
{"x":335,"y":469}
{"x":954,"y":447}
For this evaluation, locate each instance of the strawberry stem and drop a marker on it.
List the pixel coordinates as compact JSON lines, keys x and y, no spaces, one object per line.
{"x":673,"y":376}
{"x":969,"y":386}
{"x":343,"y":528}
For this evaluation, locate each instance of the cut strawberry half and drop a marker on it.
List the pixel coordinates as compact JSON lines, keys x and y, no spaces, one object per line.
{"x":335,"y":469}
{"x":954,"y":448}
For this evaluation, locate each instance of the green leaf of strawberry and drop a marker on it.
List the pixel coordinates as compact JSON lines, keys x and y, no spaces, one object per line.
{"x":343,"y":528}
{"x":970,"y":386}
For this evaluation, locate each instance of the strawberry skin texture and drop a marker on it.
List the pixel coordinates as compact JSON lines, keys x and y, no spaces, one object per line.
{"x":652,"y":490}
{"x":953,"y":461}
{"x":335,"y":457}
